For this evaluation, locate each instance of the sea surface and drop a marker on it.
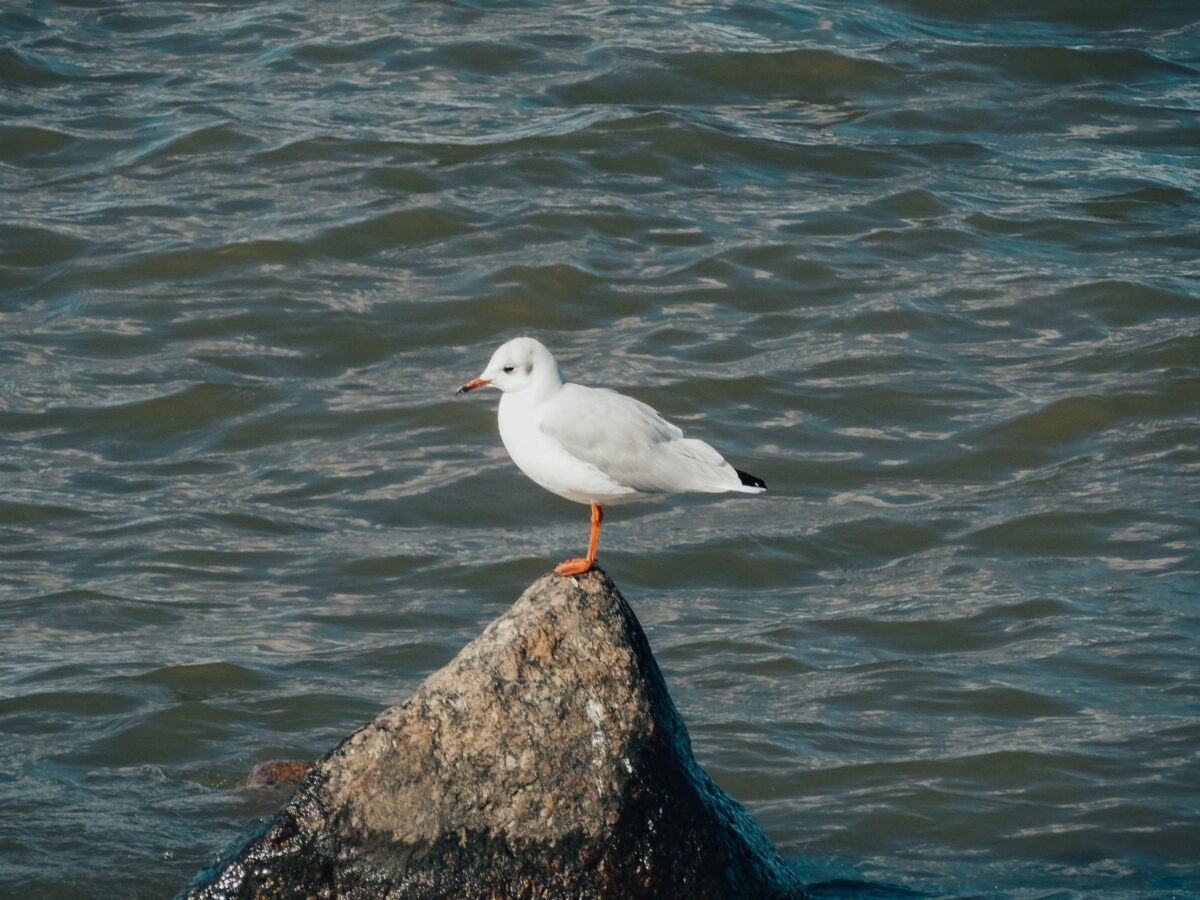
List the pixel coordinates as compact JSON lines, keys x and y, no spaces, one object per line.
{"x":929,"y":268}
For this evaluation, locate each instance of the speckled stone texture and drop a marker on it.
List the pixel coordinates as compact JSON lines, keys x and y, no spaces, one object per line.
{"x":545,"y":761}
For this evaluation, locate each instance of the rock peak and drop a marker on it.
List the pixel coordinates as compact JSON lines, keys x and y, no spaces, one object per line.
{"x":546,"y":760}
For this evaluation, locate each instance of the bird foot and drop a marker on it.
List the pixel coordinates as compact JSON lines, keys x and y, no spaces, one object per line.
{"x":574,"y":566}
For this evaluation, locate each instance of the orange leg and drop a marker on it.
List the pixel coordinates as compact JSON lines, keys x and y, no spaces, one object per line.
{"x":579,"y":566}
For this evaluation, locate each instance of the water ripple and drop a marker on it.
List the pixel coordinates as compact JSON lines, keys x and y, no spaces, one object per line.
{"x":928,"y":269}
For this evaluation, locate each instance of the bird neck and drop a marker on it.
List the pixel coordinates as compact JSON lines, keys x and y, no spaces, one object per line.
{"x":533,"y":394}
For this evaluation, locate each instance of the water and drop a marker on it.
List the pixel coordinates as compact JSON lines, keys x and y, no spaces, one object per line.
{"x":930,"y":269}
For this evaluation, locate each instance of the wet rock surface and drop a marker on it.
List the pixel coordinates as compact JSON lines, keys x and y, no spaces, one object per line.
{"x":546,"y":760}
{"x":277,"y":772}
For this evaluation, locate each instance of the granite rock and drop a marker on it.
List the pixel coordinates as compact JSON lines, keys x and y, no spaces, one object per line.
{"x":546,"y":760}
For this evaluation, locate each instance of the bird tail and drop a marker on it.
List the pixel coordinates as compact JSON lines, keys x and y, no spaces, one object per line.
{"x":751,"y":481}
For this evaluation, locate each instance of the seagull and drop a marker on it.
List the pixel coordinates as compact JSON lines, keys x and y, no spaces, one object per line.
{"x":593,"y":445}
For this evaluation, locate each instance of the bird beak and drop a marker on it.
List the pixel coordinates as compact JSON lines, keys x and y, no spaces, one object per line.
{"x":472,"y":384}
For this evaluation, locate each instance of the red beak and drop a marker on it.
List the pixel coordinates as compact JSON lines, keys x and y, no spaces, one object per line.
{"x":472,"y":384}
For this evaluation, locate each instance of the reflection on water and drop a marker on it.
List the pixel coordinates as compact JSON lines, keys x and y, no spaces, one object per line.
{"x":931,"y":272}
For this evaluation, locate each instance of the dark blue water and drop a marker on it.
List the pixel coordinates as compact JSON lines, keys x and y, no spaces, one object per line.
{"x":930,"y":269}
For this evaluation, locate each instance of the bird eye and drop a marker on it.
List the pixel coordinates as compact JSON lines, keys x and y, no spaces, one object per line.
{"x":508,"y":370}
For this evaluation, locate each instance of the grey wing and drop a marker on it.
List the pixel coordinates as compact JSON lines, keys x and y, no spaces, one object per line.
{"x":633,"y":444}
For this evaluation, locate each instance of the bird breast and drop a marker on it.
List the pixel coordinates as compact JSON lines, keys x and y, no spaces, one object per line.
{"x":546,"y":462}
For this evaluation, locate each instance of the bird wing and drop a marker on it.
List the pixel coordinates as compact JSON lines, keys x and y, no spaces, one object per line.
{"x":632,"y":443}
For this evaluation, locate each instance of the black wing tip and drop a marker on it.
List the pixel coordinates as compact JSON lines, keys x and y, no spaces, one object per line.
{"x":750,"y":480}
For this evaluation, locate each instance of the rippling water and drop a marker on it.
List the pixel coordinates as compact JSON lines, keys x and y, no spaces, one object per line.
{"x":930,"y":269}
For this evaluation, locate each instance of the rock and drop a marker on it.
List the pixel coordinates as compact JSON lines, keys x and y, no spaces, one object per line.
{"x":545,"y":761}
{"x":277,"y":771}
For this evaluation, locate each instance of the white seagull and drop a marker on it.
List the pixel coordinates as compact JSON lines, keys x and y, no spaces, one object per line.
{"x":593,"y":445}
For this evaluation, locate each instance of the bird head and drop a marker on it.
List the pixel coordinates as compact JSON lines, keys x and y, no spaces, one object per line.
{"x":517,"y":365}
